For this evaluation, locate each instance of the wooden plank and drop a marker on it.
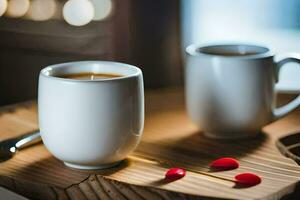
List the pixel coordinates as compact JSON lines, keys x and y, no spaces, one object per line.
{"x":170,"y":139}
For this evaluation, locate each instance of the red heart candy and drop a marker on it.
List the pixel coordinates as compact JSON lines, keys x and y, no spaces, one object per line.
{"x":224,"y":164}
{"x":174,"y":174}
{"x":247,"y":179}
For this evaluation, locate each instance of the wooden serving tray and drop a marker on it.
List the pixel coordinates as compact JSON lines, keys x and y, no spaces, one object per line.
{"x":170,"y":139}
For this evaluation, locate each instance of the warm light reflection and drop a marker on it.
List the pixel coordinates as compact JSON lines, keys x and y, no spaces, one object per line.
{"x":3,"y":6}
{"x":41,"y":10}
{"x":102,"y":8}
{"x":17,"y":8}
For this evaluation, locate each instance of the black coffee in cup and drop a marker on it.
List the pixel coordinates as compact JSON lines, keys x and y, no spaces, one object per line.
{"x":89,"y":76}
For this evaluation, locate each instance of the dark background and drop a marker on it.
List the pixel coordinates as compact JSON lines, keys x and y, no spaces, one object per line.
{"x":144,"y":33}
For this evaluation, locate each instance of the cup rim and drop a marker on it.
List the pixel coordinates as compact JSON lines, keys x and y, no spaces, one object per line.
{"x":193,"y":50}
{"x":45,"y":71}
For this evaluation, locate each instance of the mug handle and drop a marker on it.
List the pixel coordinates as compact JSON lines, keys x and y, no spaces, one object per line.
{"x":286,"y":109}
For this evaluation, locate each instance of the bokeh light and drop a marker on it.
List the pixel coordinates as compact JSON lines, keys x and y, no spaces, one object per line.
{"x":103,"y":9}
{"x":41,"y":10}
{"x":78,"y":12}
{"x":17,"y":8}
{"x":74,"y":12}
{"x":3,"y":6}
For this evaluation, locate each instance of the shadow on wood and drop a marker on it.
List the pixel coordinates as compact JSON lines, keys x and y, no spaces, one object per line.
{"x":196,"y":151}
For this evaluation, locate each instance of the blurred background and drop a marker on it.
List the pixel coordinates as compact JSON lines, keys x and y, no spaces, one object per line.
{"x":149,"y":34}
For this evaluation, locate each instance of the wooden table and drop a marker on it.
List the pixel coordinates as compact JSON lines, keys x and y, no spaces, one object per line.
{"x":170,"y":139}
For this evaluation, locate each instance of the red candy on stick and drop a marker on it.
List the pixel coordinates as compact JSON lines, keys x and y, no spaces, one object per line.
{"x":243,"y":179}
{"x":224,"y":164}
{"x":247,"y":179}
{"x":174,"y":174}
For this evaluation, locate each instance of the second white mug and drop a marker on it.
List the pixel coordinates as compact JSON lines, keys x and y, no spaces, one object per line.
{"x":230,"y":89}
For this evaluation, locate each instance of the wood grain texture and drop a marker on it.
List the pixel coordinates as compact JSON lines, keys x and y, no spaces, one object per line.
{"x":170,"y":139}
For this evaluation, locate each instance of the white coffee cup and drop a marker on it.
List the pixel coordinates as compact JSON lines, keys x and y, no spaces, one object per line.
{"x":91,"y":124}
{"x":233,"y":96}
